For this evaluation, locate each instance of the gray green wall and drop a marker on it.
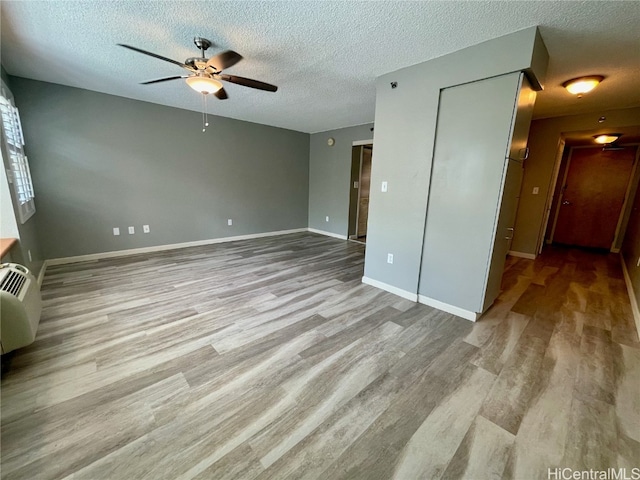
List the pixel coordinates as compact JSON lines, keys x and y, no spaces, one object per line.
{"x":631,"y":251}
{"x":544,"y":140}
{"x":100,"y":161}
{"x":405,"y":123}
{"x":329,"y":177}
{"x":5,"y":76}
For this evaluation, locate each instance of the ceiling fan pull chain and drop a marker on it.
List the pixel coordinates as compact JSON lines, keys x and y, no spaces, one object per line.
{"x":204,"y":106}
{"x":206,"y":112}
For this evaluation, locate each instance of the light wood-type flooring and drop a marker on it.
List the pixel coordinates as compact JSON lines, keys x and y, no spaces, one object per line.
{"x":269,"y":359}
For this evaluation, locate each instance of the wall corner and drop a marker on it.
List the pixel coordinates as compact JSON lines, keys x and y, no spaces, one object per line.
{"x":537,"y":71}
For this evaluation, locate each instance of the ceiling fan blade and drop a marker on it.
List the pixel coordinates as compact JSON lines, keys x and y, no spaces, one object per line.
{"x":166,"y":79}
{"x":155,"y":55}
{"x":221,"y":94}
{"x":224,"y":60}
{"x":248,"y":82}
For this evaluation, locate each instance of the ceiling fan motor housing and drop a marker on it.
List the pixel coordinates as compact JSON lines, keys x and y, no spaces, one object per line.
{"x":202,"y":43}
{"x":197,"y":62}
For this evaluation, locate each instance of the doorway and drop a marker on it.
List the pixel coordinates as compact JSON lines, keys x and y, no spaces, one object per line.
{"x":592,"y":193}
{"x":361,"y":158}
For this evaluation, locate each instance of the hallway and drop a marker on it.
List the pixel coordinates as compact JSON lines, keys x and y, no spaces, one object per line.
{"x":562,"y":341}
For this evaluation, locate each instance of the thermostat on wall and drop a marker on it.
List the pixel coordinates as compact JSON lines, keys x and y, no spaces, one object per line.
{"x":331,"y":141}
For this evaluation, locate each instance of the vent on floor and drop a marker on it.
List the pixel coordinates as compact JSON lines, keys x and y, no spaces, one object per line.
{"x":13,"y":283}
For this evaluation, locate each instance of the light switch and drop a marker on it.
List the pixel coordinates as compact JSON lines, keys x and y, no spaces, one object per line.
{"x":326,"y":218}
{"x":116,"y":231}
{"x":355,"y":184}
{"x":146,"y":229}
{"x":384,"y":186}
{"x":536,"y":190}
{"x":229,"y":221}
{"x":132,"y":230}
{"x":389,"y":257}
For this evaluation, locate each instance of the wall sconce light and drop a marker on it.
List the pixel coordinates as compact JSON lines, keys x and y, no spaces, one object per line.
{"x":607,"y":138}
{"x":579,"y":86}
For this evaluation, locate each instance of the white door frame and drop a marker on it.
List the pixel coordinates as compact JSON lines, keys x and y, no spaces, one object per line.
{"x":358,"y":143}
{"x":560,"y":196}
{"x":552,"y":189}
{"x":359,"y":188}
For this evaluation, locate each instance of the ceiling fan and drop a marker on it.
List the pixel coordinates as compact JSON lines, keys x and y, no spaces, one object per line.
{"x":205,"y":74}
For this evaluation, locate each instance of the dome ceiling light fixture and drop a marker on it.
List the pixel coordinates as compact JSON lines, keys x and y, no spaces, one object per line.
{"x":581,"y":85}
{"x":606,"y":138}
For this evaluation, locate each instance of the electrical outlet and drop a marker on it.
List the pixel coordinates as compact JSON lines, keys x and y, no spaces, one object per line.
{"x":355,"y":184}
{"x":385,"y":186}
{"x":146,"y":229}
{"x":116,"y":231}
{"x":389,"y":257}
{"x":229,"y":221}
{"x":132,"y":230}
{"x":326,"y":219}
{"x":536,"y":190}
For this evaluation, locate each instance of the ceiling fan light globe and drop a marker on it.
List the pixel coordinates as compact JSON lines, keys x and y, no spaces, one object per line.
{"x":204,"y":85}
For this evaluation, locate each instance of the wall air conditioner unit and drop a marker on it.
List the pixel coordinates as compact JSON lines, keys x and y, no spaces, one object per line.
{"x":20,"y":307}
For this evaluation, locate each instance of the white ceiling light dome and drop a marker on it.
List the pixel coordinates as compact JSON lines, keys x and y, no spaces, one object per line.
{"x":203,"y":84}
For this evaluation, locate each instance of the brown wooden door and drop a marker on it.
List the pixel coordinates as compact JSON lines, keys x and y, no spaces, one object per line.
{"x":594,"y":191}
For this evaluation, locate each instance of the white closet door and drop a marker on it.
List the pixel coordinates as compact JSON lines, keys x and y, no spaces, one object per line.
{"x":473,"y":137}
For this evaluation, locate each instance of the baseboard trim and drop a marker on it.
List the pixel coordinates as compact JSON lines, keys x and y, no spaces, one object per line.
{"x":328,"y":234}
{"x":161,"y":248}
{"x":445,"y":307}
{"x":391,"y":289}
{"x":530,"y":256}
{"x":632,"y":294}
{"x":43,"y":270}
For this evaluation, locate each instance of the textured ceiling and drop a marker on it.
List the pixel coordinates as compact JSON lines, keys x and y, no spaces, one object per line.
{"x":323,"y":55}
